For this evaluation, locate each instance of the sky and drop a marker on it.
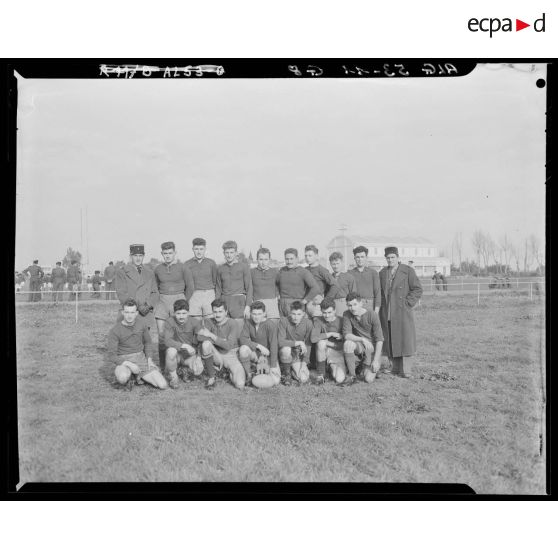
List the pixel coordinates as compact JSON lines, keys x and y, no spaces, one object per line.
{"x":278,"y":162}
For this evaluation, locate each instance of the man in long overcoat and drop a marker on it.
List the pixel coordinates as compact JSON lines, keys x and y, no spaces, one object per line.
{"x":401,"y":291}
{"x":136,"y":281}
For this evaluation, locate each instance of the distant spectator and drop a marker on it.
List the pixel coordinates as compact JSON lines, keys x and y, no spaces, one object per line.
{"x":109,"y":275}
{"x":58,"y":282}
{"x":73,"y":275}
{"x":96,"y":283}
{"x":35,"y":278}
{"x":437,"y":278}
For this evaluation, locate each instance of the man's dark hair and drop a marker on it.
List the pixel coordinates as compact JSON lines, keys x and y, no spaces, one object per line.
{"x":199,"y":242}
{"x":111,"y":263}
{"x":353,"y":296}
{"x":257,"y":305}
{"x":218,"y":303}
{"x":74,"y":262}
{"x":230,"y":244}
{"x":263,"y":251}
{"x":129,"y":302}
{"x":35,"y":261}
{"x":311,"y":248}
{"x":326,"y":303}
{"x":297,"y":305}
{"x":335,"y":256}
{"x":58,"y":263}
{"x":180,"y":304}
{"x":292,"y":251}
{"x":168,"y":246}
{"x":360,"y":249}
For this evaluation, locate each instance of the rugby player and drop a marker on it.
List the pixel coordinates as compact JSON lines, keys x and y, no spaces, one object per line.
{"x":345,"y":283}
{"x":130,"y":348}
{"x":295,"y":283}
{"x":219,"y":345}
{"x":174,"y":282}
{"x":258,"y":344}
{"x":363,"y":336}
{"x":327,"y":334}
{"x":323,"y":278}
{"x":294,"y":340}
{"x":367,"y":280}
{"x":264,"y":284}
{"x":204,"y":273}
{"x":234,"y":283}
{"x":180,"y":339}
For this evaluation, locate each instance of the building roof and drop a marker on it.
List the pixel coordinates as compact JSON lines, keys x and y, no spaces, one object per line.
{"x":385,"y":240}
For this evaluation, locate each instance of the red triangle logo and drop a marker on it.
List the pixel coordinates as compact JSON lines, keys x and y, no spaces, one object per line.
{"x":519,"y":25}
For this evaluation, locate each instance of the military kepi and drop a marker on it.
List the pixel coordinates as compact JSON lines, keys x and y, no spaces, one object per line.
{"x":137,"y":249}
{"x":390,"y":250}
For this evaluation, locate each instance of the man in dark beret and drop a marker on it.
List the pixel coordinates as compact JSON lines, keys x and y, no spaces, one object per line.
{"x":401,"y":291}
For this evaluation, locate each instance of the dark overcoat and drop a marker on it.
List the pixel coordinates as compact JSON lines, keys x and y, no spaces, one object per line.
{"x":141,"y":287}
{"x":406,"y":291}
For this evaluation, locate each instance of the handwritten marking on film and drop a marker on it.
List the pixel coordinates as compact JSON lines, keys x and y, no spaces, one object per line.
{"x":128,"y":71}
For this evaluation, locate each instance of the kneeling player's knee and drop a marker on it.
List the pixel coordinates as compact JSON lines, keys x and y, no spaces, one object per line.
{"x":171,"y":353}
{"x":244,"y":352}
{"x":122,"y":373}
{"x":285,"y":354}
{"x":349,"y":347}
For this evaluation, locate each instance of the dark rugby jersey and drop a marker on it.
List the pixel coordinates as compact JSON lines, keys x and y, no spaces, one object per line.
{"x":296,"y":282}
{"x":368,"y":284}
{"x":265,"y":335}
{"x":288,"y":333}
{"x":174,"y":278}
{"x":233,"y":279}
{"x":264,"y":285}
{"x":204,"y":273}
{"x":324,"y":280}
{"x":345,"y":284}
{"x":227,"y":334}
{"x":368,"y":326}
{"x":128,"y":339}
{"x":175,"y":334}
{"x":321,"y":327}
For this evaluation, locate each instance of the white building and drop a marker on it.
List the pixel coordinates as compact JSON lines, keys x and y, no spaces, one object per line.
{"x":423,"y":254}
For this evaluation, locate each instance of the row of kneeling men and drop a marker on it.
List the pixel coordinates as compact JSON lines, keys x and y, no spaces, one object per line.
{"x":256,"y":351}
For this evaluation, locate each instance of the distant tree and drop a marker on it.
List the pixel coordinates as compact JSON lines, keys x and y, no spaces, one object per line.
{"x":506,"y":250}
{"x":478,"y":244}
{"x":71,"y":255}
{"x":119,"y":263}
{"x":250,"y":257}
{"x":536,"y":250}
{"x":242,"y":257}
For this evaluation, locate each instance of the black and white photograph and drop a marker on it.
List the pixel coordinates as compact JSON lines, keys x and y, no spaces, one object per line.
{"x":290,"y":278}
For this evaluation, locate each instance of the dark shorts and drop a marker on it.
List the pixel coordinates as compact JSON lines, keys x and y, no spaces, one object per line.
{"x":236,"y":305}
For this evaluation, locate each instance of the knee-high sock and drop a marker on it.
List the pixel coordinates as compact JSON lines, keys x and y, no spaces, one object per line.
{"x":285,"y":368}
{"x":350,"y":361}
{"x":246,"y":364}
{"x":208,"y":366}
{"x":321,"y":367}
{"x":162,"y":353}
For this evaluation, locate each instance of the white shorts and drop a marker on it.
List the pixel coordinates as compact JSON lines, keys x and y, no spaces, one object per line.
{"x":271,"y":307}
{"x":200,"y":303}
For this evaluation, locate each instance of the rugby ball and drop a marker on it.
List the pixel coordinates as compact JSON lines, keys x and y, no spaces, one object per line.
{"x":369,"y":376}
{"x":337,"y":373}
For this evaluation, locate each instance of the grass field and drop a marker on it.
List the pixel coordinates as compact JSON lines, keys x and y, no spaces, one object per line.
{"x":472,"y":412}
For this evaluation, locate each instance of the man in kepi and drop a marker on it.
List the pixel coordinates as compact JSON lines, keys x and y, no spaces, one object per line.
{"x":294,"y":340}
{"x":35,"y":278}
{"x":258,"y":345}
{"x":74,"y":280}
{"x":138,"y":282}
{"x":219,"y":345}
{"x":174,"y":282}
{"x":180,"y":338}
{"x":96,"y":284}
{"x":401,"y":291}
{"x":130,"y":347}
{"x":362,"y":332}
